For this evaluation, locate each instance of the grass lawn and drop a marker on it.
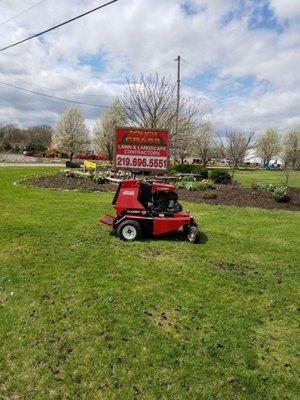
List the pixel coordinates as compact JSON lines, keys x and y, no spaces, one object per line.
{"x":87,"y":316}
{"x":246,"y":178}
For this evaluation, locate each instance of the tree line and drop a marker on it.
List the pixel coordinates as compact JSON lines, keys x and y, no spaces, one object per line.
{"x":16,"y":139}
{"x":150,"y":102}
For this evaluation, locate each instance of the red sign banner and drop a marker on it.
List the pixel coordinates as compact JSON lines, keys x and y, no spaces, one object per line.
{"x":142,"y":149}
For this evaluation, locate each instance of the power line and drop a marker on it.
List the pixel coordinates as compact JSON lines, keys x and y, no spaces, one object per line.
{"x":194,"y":65}
{"x":54,"y":97}
{"x":22,"y":12}
{"x":59,"y":25}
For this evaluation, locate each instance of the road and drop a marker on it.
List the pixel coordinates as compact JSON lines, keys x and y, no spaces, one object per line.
{"x":4,"y":164}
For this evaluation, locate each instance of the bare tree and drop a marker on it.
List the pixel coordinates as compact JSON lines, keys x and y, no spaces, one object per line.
{"x":104,"y":129}
{"x":40,"y":134}
{"x":291,"y":148}
{"x":236,"y":145}
{"x":268,"y":146}
{"x":70,"y":133}
{"x":203,"y":142}
{"x":12,"y":134}
{"x":151,"y":103}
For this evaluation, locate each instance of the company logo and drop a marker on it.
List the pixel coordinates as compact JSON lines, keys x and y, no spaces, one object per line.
{"x":128,"y":192}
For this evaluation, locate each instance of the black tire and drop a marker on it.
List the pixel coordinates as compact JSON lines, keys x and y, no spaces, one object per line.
{"x":193,"y":234}
{"x":129,"y":230}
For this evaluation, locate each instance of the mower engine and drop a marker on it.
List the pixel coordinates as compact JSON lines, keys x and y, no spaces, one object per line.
{"x":149,"y":207}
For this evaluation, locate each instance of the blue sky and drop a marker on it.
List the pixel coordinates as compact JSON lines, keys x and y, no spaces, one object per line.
{"x":241,"y":57}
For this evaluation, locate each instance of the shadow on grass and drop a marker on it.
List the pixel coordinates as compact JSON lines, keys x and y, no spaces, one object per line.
{"x":177,"y":236}
{"x":169,"y":237}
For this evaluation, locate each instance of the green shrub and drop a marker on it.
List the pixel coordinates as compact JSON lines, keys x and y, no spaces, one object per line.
{"x":192,"y":185}
{"x":206,"y":184}
{"x":279,"y":194}
{"x":209,"y":194}
{"x":72,"y":164}
{"x":187,"y":182}
{"x":35,"y":147}
{"x":190,"y":169}
{"x":220,"y":176}
{"x":100,"y":179}
{"x":5,"y":146}
{"x":16,"y":149}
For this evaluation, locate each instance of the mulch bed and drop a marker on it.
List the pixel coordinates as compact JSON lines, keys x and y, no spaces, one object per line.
{"x":226,"y":194}
{"x":243,"y":197}
{"x":59,"y":181}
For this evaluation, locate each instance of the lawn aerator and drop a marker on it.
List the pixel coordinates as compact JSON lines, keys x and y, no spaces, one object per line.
{"x":153,"y":208}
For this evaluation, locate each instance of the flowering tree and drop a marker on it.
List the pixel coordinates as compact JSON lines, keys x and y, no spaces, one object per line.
{"x":70,"y":133}
{"x":105,"y":127}
{"x":268,"y":146}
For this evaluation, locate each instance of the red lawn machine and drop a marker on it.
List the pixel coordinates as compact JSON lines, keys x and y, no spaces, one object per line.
{"x":143,"y":207}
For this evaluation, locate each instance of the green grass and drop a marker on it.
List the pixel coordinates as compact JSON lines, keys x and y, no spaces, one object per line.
{"x":246,"y":177}
{"x":87,"y":316}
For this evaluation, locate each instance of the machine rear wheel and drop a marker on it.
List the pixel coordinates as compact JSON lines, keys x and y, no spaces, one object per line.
{"x":129,"y":230}
{"x":193,"y":234}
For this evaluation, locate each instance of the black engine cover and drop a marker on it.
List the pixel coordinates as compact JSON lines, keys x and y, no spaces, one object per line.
{"x":165,"y":203}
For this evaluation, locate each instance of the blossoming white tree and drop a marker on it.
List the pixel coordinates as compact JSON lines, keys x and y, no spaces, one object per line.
{"x":105,"y":127}
{"x":268,"y":146}
{"x":70,"y":133}
{"x":291,"y":148}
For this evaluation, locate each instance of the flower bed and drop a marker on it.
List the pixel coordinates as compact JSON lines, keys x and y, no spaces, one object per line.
{"x":222,"y":194}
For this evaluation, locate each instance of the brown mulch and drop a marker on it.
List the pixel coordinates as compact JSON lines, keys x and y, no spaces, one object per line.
{"x":226,"y":194}
{"x":243,"y":197}
{"x":58,"y":181}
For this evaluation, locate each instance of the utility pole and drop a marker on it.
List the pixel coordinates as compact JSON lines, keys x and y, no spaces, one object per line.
{"x":178,"y":59}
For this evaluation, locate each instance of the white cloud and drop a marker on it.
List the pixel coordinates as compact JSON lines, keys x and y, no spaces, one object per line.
{"x":289,"y":9}
{"x":85,"y":59}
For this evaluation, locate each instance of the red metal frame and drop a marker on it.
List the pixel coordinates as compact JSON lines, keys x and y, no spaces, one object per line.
{"x":127,"y":204}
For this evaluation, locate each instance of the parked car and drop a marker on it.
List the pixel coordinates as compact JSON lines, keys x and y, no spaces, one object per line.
{"x":28,"y":153}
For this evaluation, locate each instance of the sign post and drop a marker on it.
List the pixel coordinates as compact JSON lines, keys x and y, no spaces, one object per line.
{"x":138,"y":149}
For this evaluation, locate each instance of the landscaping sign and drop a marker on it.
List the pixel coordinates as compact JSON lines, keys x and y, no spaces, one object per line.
{"x":142,"y":149}
{"x":89,"y":165}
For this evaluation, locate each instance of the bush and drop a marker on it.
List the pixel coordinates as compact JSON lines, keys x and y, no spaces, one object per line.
{"x":5,"y":146}
{"x":220,"y":176}
{"x":187,"y":182}
{"x":209,"y":194}
{"x":192,"y":185}
{"x":16,"y":149}
{"x":100,"y":179}
{"x":72,"y":164}
{"x":35,"y":147}
{"x":96,"y":177}
{"x":191,"y":169}
{"x":279,"y":194}
{"x":206,"y":184}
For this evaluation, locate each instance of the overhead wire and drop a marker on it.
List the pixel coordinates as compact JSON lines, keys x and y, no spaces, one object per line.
{"x":59,"y":25}
{"x":54,"y":97}
{"x":62,"y":98}
{"x":21,"y":13}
